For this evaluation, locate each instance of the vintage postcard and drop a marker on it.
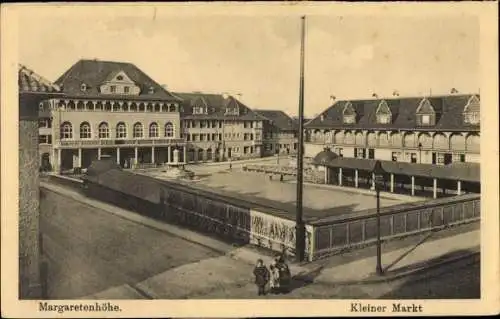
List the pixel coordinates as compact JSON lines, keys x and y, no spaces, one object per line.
{"x":249,"y":159}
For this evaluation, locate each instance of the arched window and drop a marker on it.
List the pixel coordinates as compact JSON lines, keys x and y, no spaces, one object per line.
{"x":121,"y":130}
{"x":169,"y":130}
{"x":85,"y":131}
{"x":138,"y":130}
{"x":153,"y":130}
{"x":103,"y":130}
{"x":66,"y":130}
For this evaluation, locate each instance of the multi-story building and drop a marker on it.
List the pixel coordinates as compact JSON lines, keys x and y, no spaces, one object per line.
{"x":219,"y":127}
{"x":280,"y":133}
{"x":109,"y":108}
{"x":431,"y":130}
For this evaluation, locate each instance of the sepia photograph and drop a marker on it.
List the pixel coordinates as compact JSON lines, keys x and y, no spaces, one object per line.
{"x":259,"y":153}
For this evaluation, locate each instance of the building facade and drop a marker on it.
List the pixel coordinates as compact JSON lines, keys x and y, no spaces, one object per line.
{"x":280,"y":133}
{"x":428,"y":130}
{"x":109,"y":108}
{"x":219,"y":127}
{"x":32,"y":90}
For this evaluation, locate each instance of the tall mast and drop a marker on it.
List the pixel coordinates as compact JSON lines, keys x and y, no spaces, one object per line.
{"x":300,"y":227}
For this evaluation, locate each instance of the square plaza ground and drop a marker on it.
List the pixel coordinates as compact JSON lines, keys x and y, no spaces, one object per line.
{"x":319,"y":201}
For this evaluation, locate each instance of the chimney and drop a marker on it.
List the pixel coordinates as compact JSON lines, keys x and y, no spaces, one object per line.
{"x":332,"y":99}
{"x":395,"y":93}
{"x":453,"y":91}
{"x":164,"y":86}
{"x":375,"y":95}
{"x":322,"y":117}
{"x":225,"y":95}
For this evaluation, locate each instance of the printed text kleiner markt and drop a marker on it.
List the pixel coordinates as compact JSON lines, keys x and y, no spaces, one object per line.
{"x":396,"y":307}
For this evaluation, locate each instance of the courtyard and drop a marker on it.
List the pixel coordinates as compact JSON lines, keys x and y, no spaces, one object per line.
{"x":318,"y":200}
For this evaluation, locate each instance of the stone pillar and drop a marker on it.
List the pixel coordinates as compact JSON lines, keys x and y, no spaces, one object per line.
{"x":169,"y":157}
{"x":356,"y":178}
{"x":79,"y":157}
{"x":392,"y":183}
{"x":185,"y":153}
{"x":118,"y":155}
{"x":373,"y":181}
{"x":413,"y":186}
{"x":434,"y":188}
{"x":176,"y":156}
{"x":98,"y":153}
{"x":152,"y":154}
{"x":459,"y":187}
{"x":340,"y":176}
{"x":136,"y":151}
{"x":326,"y":176}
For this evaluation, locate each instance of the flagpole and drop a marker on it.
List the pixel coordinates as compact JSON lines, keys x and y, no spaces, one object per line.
{"x":300,"y":227}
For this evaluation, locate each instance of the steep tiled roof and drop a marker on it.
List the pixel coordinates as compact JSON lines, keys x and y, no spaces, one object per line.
{"x":93,"y":73}
{"x":30,"y":82}
{"x":279,"y":118}
{"x":216,"y":106}
{"x":449,"y":109}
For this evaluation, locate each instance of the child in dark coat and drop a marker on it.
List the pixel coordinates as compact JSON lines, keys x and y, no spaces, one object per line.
{"x":261,"y":277}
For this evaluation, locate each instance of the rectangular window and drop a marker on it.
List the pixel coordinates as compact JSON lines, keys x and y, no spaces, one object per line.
{"x":340,"y":152}
{"x":426,"y":119}
{"x":413,"y":157}
{"x":45,"y":139}
{"x":112,"y":88}
{"x":371,"y":153}
{"x":126,"y":90}
{"x":188,"y":137}
{"x":383,"y":119}
{"x":395,"y":156}
{"x":349,"y":119}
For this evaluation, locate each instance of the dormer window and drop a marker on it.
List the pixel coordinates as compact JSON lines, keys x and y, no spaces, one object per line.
{"x":426,"y":115}
{"x":199,"y":110}
{"x":383,"y":113}
{"x":349,"y":114}
{"x":83,"y":87}
{"x":425,"y":119}
{"x":151,"y":90}
{"x":471,"y":113}
{"x":119,"y":78}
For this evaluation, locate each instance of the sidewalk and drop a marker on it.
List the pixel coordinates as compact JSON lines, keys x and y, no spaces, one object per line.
{"x":405,"y":261}
{"x":233,"y":269}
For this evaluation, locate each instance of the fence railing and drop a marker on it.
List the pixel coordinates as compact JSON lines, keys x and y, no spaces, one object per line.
{"x":396,"y":221}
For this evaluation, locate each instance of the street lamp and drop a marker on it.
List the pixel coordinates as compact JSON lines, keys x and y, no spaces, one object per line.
{"x":378,"y":176}
{"x":420,"y":153}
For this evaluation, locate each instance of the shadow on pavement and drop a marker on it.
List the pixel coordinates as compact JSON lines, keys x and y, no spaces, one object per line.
{"x":456,"y":280}
{"x":304,"y":279}
{"x":409,"y":251}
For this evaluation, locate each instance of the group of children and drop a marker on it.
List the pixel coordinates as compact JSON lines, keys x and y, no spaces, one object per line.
{"x":278,"y":276}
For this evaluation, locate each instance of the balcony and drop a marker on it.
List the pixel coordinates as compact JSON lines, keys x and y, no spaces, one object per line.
{"x":120,"y":142}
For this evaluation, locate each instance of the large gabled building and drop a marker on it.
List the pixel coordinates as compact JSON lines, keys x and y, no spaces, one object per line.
{"x":280,"y":132}
{"x":425,"y":129}
{"x":219,"y":127}
{"x":110,"y":108}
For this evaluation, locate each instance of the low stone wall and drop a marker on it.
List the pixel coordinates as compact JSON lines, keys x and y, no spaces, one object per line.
{"x":231,"y":219}
{"x":347,"y":232}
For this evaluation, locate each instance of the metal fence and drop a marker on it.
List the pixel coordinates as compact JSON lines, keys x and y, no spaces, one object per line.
{"x":343,"y":234}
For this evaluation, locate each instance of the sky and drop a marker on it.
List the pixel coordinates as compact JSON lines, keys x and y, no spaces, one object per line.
{"x":257,"y":55}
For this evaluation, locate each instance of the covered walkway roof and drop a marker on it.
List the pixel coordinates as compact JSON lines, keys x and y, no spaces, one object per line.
{"x":467,"y":172}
